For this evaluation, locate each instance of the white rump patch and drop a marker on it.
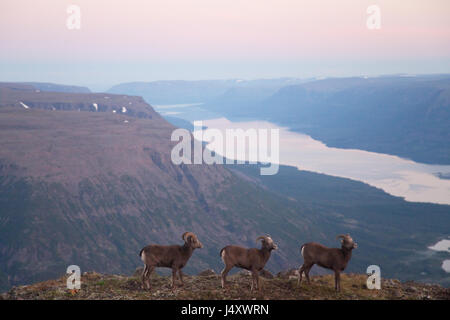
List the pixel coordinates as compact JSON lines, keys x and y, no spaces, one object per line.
{"x":124,"y":109}
{"x":303,"y":248}
{"x":223,"y":255}
{"x":114,"y":111}
{"x":143,"y":256}
{"x":95,"y":106}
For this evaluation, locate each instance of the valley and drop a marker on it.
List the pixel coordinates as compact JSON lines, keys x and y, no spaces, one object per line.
{"x":404,"y":116}
{"x":90,"y":186}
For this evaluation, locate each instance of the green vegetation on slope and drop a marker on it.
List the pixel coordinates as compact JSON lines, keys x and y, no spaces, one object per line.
{"x":392,"y":233}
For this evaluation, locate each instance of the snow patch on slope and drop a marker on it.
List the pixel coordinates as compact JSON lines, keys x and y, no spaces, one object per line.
{"x":24,"y":105}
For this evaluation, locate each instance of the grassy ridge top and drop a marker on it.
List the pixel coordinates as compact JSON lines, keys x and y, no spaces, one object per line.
{"x":95,"y":286}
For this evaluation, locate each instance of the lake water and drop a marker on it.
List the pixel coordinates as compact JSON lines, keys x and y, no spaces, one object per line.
{"x":397,"y":176}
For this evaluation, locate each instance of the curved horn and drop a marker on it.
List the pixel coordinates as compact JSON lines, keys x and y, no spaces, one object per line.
{"x":260,"y":238}
{"x":187,"y":234}
{"x":343,"y":236}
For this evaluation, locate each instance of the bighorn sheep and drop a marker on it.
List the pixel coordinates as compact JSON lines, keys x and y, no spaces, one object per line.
{"x":252,"y":259}
{"x":174,"y":257}
{"x":330,"y":258}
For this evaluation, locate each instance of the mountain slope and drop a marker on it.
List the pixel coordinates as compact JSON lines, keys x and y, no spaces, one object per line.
{"x":52,"y":87}
{"x":404,"y":116}
{"x":96,"y":286}
{"x":92,"y":188}
{"x":391,"y":233}
{"x":26,"y":96}
{"x":180,"y":91}
{"x":408,"y":116}
{"x":175,"y":91}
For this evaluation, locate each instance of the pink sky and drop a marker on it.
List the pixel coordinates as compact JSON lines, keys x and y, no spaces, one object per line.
{"x":211,"y":29}
{"x":223,"y":31}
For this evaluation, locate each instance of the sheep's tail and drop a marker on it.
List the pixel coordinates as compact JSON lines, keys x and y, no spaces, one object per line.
{"x":142,"y":255}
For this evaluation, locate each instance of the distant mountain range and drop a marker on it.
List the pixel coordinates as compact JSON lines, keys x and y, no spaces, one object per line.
{"x":407,"y":116}
{"x":87,"y":179}
{"x":404,"y":116}
{"x":180,"y":91}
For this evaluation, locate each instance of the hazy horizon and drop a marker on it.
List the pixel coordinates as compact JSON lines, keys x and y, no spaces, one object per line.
{"x":99,"y":87}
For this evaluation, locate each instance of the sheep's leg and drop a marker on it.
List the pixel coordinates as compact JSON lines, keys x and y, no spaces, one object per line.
{"x":255,"y":280}
{"x":181,"y":277}
{"x":174,"y":276}
{"x":307,"y":269}
{"x":224,"y":275}
{"x":148,"y":275}
{"x":300,"y":271}
{"x":337,"y":281}
{"x":144,"y":273}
